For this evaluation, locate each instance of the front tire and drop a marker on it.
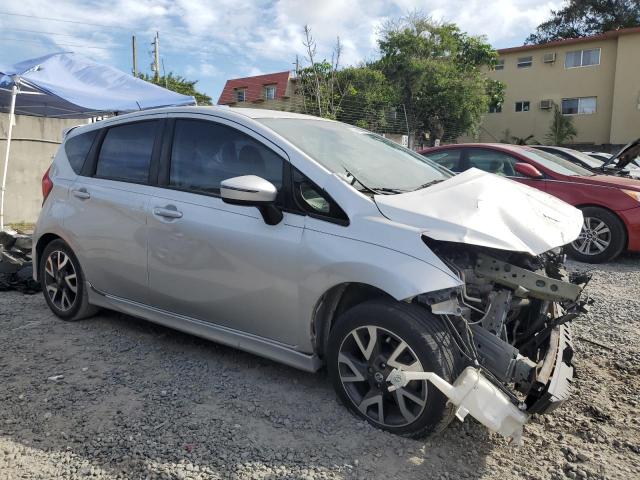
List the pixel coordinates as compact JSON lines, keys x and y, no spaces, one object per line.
{"x":603,"y":237}
{"x":373,"y":338}
{"x":63,"y":284}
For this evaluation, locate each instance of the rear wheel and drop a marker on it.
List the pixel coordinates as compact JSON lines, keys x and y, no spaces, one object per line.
{"x":372,"y":339}
{"x":603,"y":237}
{"x":63,"y":283}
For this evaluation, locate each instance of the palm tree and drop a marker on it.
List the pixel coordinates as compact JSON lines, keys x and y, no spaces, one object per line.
{"x":524,"y":140}
{"x":561,"y":129}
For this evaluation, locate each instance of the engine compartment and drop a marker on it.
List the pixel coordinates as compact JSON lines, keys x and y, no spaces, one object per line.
{"x":511,"y":319}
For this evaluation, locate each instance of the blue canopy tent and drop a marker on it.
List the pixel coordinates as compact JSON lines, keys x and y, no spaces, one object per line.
{"x":67,"y":85}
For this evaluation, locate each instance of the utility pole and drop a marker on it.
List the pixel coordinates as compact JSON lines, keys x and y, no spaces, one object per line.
{"x":133,"y":52}
{"x":156,"y":57}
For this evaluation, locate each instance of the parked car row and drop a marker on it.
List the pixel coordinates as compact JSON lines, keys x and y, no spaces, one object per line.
{"x":597,"y":162}
{"x":314,"y":243}
{"x":610,"y":203}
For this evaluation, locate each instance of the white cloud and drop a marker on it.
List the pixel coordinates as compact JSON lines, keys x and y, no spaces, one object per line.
{"x":227,"y":38}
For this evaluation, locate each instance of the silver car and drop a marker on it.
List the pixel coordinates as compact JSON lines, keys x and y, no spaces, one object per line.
{"x":315,"y":243}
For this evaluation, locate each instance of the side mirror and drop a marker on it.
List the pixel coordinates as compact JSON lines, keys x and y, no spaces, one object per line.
{"x":527,"y":170}
{"x":254,"y":191}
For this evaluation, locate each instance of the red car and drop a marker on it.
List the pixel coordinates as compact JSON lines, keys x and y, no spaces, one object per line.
{"x":610,"y":204}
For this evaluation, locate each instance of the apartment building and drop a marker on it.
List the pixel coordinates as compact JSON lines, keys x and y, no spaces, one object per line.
{"x":595,"y":80}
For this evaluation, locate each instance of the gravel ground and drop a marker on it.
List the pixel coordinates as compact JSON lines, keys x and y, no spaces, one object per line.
{"x":116,"y":397}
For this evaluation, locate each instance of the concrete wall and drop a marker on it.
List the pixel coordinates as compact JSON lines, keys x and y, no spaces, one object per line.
{"x":35,"y":142}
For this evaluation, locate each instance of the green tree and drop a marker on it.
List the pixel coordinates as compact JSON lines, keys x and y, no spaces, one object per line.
{"x":580,"y":18}
{"x":561,"y":129}
{"x":437,"y":72}
{"x":318,"y":82}
{"x":367,"y":99}
{"x":495,"y":92}
{"x":179,"y":84}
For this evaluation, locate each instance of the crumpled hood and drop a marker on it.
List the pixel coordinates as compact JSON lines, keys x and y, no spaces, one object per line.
{"x":483,"y":209}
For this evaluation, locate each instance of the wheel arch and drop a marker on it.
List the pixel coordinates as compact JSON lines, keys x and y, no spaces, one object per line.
{"x":333,"y":303}
{"x":613,"y":212}
{"x":41,"y":244}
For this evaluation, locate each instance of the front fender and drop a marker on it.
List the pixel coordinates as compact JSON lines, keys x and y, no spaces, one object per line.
{"x":332,"y":260}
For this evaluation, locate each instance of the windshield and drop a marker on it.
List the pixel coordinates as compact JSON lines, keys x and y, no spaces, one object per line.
{"x":584,"y":158}
{"x":555,"y":163}
{"x":365,"y":160}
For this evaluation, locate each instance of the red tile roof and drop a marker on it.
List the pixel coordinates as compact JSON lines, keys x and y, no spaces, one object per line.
{"x":255,"y":87}
{"x":569,"y":41}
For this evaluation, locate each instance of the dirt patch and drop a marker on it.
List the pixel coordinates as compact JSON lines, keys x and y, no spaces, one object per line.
{"x":129,"y":399}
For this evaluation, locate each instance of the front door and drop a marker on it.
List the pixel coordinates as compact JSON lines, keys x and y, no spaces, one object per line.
{"x":500,"y":163}
{"x":217,"y":262}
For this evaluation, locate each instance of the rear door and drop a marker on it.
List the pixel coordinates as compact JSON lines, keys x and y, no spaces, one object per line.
{"x":107,"y":208}
{"x":217,"y":262}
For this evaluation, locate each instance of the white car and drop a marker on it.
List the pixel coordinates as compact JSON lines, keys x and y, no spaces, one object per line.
{"x":316,"y":243}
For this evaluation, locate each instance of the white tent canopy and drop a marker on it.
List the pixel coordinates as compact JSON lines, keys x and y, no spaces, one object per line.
{"x":67,"y":85}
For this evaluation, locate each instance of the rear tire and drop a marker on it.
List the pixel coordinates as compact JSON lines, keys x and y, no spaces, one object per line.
{"x":404,"y":336}
{"x":63,"y":283}
{"x":603,"y":237}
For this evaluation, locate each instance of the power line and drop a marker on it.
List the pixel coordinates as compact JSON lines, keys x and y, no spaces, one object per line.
{"x":63,"y":20}
{"x":40,"y":31}
{"x":44,"y":42}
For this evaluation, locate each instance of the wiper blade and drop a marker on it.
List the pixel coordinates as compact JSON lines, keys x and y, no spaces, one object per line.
{"x":389,"y":190}
{"x":364,"y":187}
{"x":375,"y":191}
{"x":427,"y":185}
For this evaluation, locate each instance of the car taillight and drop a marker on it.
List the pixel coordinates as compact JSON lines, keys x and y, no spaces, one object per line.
{"x":47,"y":185}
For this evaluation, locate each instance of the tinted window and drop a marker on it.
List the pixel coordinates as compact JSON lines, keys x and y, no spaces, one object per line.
{"x":493,"y":161}
{"x":126,"y":152}
{"x":557,"y":152}
{"x":447,"y":158}
{"x":554,"y":163}
{"x":77,"y":148}
{"x":206,"y":153}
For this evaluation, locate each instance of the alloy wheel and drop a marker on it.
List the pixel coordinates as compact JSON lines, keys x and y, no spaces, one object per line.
{"x":594,"y":238}
{"x":61,"y":280}
{"x":367,"y":355}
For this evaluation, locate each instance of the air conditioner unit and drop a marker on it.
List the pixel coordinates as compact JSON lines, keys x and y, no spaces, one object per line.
{"x":549,"y":57}
{"x":546,"y":104}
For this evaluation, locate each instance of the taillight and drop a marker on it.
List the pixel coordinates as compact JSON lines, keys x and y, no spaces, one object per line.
{"x":47,"y":185}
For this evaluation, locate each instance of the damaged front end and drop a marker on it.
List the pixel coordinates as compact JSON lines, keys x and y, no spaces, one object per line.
{"x":510,"y":321}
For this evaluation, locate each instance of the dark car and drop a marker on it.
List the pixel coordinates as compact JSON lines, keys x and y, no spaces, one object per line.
{"x":610,"y":204}
{"x":601,"y":163}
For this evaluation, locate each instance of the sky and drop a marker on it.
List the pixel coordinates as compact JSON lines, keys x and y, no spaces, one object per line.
{"x":214,"y":40}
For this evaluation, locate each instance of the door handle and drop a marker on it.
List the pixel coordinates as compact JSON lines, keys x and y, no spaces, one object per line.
{"x":81,"y":193}
{"x":167,"y":212}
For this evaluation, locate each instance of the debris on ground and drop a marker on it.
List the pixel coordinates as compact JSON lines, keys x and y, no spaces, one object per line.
{"x":16,"y":269}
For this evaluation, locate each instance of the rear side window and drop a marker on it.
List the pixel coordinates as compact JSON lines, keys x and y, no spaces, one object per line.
{"x":77,"y":148}
{"x":126,"y":152}
{"x":206,"y":153}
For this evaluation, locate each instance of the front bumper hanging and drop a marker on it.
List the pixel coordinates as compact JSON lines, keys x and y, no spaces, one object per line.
{"x":475,"y":394}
